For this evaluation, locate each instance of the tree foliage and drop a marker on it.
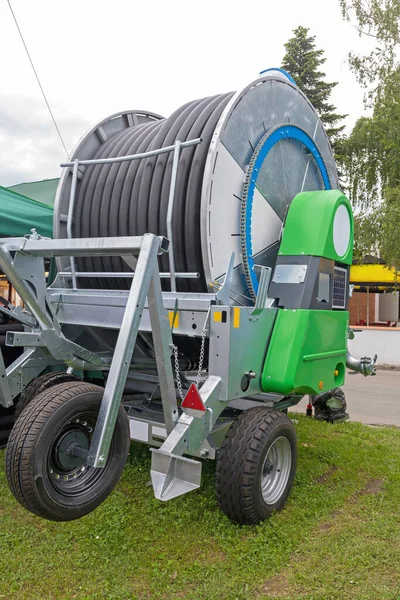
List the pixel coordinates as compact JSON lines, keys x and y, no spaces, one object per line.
{"x":372,"y":162}
{"x":374,"y":147}
{"x":303,"y":61}
{"x":379,"y":20}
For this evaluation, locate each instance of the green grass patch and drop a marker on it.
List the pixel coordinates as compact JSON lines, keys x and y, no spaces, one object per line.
{"x":338,"y":537}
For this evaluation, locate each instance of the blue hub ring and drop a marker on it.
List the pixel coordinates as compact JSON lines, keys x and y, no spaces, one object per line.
{"x":267,"y":142}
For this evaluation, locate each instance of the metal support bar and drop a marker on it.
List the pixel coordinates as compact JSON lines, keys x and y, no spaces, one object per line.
{"x":6,"y":265}
{"x":115,"y":298}
{"x":73,"y":354}
{"x":119,"y":159}
{"x":162,"y":340}
{"x":125,"y":275}
{"x":262,"y":295}
{"x":70,"y":217}
{"x":224,"y":293}
{"x":109,"y":246}
{"x":170,"y":211}
{"x":18,"y":315}
{"x":5,"y":392}
{"x":50,"y":334}
{"x":145,"y":268}
{"x":23,"y":338}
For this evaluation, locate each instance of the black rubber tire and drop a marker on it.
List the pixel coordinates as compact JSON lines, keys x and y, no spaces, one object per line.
{"x":39,"y":385}
{"x":240,"y":462}
{"x":31,"y":446}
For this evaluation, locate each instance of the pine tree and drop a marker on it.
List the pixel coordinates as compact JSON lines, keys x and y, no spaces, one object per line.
{"x":303,"y":61}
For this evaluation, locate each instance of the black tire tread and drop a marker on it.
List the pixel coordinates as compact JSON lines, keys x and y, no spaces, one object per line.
{"x":39,"y":385}
{"x":237,"y":462}
{"x":22,"y":441}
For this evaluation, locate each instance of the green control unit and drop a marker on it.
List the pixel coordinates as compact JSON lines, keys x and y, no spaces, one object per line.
{"x":308,"y":346}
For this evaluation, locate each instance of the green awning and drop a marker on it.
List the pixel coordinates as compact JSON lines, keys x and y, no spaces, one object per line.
{"x":42,"y":191}
{"x":19,"y":214}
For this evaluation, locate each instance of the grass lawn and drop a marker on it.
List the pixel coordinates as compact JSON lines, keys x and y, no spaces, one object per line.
{"x":337,"y":538}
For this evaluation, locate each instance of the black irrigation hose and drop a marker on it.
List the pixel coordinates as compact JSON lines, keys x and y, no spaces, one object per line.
{"x":131,"y":198}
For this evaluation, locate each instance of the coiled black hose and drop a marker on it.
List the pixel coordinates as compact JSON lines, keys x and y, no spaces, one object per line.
{"x":131,"y":198}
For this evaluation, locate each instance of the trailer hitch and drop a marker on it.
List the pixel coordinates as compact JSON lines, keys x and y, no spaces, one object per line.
{"x":171,"y":473}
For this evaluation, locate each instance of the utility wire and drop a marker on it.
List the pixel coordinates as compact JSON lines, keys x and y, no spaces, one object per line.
{"x":37,"y":79}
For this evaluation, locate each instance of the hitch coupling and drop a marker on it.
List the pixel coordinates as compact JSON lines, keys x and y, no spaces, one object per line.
{"x":364,"y":365}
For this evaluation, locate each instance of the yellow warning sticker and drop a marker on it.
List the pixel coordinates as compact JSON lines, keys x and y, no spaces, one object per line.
{"x":173,"y":322}
{"x":218,"y":316}
{"x":236,"y":317}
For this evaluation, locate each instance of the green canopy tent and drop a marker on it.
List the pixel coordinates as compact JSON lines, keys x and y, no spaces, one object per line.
{"x":43,"y":191}
{"x":19,"y":214}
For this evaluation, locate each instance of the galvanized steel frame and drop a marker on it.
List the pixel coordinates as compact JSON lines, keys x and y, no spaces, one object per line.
{"x":143,"y":308}
{"x":30,"y":285}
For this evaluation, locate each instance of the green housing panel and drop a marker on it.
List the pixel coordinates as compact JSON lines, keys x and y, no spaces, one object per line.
{"x":307,"y":352}
{"x":310,"y":227}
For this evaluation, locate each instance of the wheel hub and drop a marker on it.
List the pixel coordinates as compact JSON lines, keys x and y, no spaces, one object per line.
{"x":65,"y":457}
{"x":276,"y":470}
{"x":70,"y":450}
{"x":268,"y":467}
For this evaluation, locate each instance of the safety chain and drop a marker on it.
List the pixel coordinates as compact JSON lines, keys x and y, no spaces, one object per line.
{"x":202,"y":348}
{"x":177,"y":371}
{"x":178,"y":379}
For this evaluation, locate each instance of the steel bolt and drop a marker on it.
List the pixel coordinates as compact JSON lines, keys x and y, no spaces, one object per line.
{"x":203,"y":453}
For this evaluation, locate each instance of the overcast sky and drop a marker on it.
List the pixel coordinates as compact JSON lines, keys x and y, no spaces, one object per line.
{"x":95,"y":58}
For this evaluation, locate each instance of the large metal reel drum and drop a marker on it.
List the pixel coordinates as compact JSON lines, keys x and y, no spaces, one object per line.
{"x":261,"y":147}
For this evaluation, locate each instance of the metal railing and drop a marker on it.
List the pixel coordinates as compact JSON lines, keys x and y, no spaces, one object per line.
{"x":75,"y":164}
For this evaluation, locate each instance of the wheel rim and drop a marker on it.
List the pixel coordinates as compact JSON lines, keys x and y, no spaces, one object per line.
{"x":68,"y":472}
{"x":276,"y":470}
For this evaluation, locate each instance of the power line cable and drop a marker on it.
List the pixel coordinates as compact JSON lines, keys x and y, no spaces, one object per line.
{"x":37,"y":79}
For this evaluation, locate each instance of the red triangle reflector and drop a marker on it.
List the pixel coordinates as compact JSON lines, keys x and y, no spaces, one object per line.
{"x":193,"y":399}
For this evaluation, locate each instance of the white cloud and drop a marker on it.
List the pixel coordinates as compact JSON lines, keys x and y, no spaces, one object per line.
{"x":31,"y":148}
{"x":95,"y":58}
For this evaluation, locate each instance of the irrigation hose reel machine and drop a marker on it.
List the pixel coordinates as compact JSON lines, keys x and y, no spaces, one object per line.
{"x":203,"y":266}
